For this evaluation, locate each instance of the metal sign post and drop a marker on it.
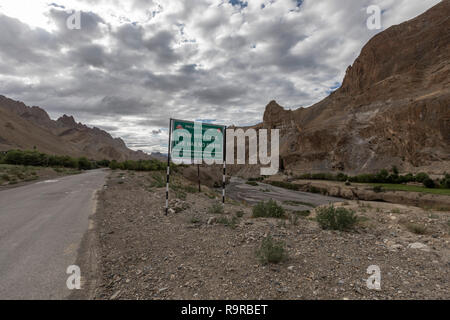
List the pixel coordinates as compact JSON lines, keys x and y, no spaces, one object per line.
{"x":168,"y":166}
{"x":224,"y":164}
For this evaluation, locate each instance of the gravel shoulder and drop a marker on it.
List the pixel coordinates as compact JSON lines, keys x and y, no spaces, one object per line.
{"x":193,"y":254}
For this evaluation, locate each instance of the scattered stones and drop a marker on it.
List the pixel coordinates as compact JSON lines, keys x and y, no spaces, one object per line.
{"x":419,"y":246}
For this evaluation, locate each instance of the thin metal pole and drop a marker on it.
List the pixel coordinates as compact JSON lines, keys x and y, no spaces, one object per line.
{"x":168,"y":166}
{"x":224,"y":163}
{"x":198,"y":176}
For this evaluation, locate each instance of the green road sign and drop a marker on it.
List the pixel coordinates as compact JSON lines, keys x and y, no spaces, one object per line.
{"x":197,"y":141}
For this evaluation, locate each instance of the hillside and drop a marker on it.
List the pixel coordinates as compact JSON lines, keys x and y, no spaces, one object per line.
{"x":23,"y":127}
{"x":393,"y":107}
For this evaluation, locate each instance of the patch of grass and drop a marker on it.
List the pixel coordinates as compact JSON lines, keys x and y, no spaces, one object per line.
{"x":158,"y":181}
{"x":396,"y":210}
{"x":252,"y":183}
{"x":298,"y":203}
{"x":417,"y":228}
{"x":271,"y":251}
{"x":5,"y":177}
{"x":404,"y":187}
{"x":378,"y":189}
{"x":216,"y":208}
{"x":314,"y":189}
{"x":331,"y":218}
{"x":285,"y":185}
{"x":232,"y":223}
{"x":302,"y":213}
{"x":240,"y":214}
{"x":269,"y":209}
{"x":194,"y":220}
{"x":293,"y":218}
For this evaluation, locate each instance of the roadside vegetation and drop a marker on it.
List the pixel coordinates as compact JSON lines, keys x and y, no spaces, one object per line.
{"x":331,"y":218}
{"x":271,"y":251}
{"x":39,"y":159}
{"x":385,"y":177}
{"x":268,"y":209}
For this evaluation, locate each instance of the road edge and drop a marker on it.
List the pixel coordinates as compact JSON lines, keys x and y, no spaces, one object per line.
{"x":87,"y":257}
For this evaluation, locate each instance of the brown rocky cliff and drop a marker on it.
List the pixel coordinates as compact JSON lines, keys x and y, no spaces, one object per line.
{"x":393,"y":107}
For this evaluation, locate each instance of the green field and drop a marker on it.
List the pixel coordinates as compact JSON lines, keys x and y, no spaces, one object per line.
{"x":404,"y":187}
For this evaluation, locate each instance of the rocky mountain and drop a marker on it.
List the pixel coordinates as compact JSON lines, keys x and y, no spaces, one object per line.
{"x":23,"y":127}
{"x":393,"y":107}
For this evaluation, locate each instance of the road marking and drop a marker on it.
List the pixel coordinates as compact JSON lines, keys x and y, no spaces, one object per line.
{"x":48,"y":181}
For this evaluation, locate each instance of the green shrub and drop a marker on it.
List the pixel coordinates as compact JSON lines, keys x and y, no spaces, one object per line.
{"x":421,"y":177}
{"x":216,"y":208}
{"x":5,"y":177}
{"x":285,"y":185}
{"x":417,"y":228}
{"x":269,"y":209}
{"x":378,"y":189}
{"x":429,"y":183}
{"x":331,"y":218}
{"x":302,"y":213}
{"x":84,"y":164}
{"x":271,"y":251}
{"x":240,"y":214}
{"x":158,"y":181}
{"x":252,"y":183}
{"x":228,"y":222}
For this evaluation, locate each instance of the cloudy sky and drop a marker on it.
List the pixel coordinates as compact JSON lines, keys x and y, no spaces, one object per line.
{"x":133,"y":64}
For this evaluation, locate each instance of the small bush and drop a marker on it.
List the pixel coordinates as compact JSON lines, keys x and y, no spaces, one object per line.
{"x":416,"y":228}
{"x":378,"y":189}
{"x":228,"y":222}
{"x":428,"y":183}
{"x":5,"y":177}
{"x":269,"y":209}
{"x":332,"y":218}
{"x":240,"y":214}
{"x":194,"y":220}
{"x":421,"y":177}
{"x":216,"y":208}
{"x":302,"y":213}
{"x":158,"y":181}
{"x":252,"y":183}
{"x":271,"y":251}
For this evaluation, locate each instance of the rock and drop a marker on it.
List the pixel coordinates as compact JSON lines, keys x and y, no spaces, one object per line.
{"x":115,"y":295}
{"x":419,"y":246}
{"x":211,"y":220}
{"x":291,"y":268}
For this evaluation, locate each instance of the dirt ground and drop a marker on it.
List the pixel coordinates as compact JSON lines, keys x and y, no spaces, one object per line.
{"x":194,"y":254}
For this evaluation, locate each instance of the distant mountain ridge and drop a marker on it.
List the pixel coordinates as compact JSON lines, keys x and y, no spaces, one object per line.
{"x":23,"y":127}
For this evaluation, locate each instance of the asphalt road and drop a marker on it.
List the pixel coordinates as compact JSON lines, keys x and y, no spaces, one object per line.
{"x":290,"y":199}
{"x":41,"y":227}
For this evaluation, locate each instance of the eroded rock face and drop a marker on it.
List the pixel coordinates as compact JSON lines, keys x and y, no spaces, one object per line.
{"x":393,"y":107}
